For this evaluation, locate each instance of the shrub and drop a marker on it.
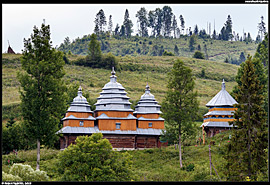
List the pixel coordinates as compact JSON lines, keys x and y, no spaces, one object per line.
{"x":26,"y":173}
{"x":10,"y":177}
{"x":190,"y":167}
{"x":10,"y":159}
{"x":92,"y":159}
{"x":198,"y":55}
{"x":166,"y":53}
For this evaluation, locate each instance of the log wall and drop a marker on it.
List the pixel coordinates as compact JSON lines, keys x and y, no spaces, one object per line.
{"x":76,"y":123}
{"x":151,"y":116}
{"x":111,"y":124}
{"x":120,"y":114}
{"x":155,"y":124}
{"x":120,"y":141}
{"x":79,"y":114}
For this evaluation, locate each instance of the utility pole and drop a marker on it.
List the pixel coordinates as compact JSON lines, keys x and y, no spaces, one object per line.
{"x":211,"y":165}
{"x":203,"y":135}
{"x":210,"y":159}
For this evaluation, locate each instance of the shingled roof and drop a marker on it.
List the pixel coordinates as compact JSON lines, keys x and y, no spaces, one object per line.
{"x":147,"y":103}
{"x":113,"y":96}
{"x":223,"y":98}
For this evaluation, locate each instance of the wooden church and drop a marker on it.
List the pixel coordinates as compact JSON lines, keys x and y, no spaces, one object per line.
{"x":114,"y":118}
{"x":220,"y":112}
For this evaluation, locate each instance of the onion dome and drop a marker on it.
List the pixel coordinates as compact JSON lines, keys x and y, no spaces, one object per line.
{"x":113,"y":96}
{"x":223,"y":98}
{"x":147,"y":103}
{"x":79,"y":103}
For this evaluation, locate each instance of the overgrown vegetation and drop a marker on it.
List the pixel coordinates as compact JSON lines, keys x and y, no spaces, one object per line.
{"x":149,"y":164}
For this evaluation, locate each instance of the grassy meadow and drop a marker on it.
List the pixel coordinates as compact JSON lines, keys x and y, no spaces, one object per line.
{"x":154,"y":72}
{"x":218,"y":50}
{"x":148,"y":164}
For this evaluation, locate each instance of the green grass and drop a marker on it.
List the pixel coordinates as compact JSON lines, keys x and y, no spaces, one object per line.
{"x":156,"y":164}
{"x":217,"y":50}
{"x":154,"y":72}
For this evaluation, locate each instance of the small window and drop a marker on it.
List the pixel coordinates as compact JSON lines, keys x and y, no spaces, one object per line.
{"x":150,"y":125}
{"x":81,"y":123}
{"x":117,"y":125}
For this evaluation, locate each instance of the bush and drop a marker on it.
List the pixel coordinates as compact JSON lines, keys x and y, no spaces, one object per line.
{"x":15,"y":138}
{"x":190,"y":167}
{"x":26,"y":173}
{"x":92,"y":159}
{"x":10,"y":159}
{"x":198,"y":55}
{"x":166,"y":53}
{"x":10,"y":177}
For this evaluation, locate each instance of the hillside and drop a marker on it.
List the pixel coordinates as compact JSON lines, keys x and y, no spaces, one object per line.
{"x":137,"y":71}
{"x":217,"y":50}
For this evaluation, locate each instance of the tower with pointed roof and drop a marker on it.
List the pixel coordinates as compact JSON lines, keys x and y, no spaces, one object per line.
{"x":148,"y":111}
{"x":78,"y":115}
{"x":220,"y":112}
{"x":113,"y":110}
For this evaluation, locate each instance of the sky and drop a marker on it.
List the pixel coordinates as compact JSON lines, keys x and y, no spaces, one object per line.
{"x":77,"y":20}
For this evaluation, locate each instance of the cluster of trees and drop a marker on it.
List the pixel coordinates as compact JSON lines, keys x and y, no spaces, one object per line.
{"x":246,"y":153}
{"x":95,"y":58}
{"x":163,"y":22}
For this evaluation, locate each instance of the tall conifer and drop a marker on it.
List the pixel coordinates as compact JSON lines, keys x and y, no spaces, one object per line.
{"x":246,"y":155}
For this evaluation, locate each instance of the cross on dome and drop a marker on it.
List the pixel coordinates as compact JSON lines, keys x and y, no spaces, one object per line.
{"x":147,"y":88}
{"x":223,"y":85}
{"x":80,"y":91}
{"x":113,"y":72}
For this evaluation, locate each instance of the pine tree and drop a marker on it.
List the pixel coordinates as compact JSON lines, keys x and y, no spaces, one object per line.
{"x":127,"y":24}
{"x":152,"y":22}
{"x":196,"y":30}
{"x":182,"y":22}
{"x":143,"y":22}
{"x":174,"y":26}
{"x":228,"y":28}
{"x":262,"y":28}
{"x":110,"y":25}
{"x":176,"y":50}
{"x":245,"y":153}
{"x":100,"y":22}
{"x":159,"y":21}
{"x":192,"y":42}
{"x":94,"y":50}
{"x":167,"y":20}
{"x":43,"y":90}
{"x":180,"y":105}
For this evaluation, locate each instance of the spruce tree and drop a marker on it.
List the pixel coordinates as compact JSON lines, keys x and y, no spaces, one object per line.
{"x":43,"y":90}
{"x":245,"y":153}
{"x":94,"y":51}
{"x":143,"y":22}
{"x":127,"y":24}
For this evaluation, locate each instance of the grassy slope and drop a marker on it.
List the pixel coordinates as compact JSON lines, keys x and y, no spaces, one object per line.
{"x":133,"y":81}
{"x":217,"y":50}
